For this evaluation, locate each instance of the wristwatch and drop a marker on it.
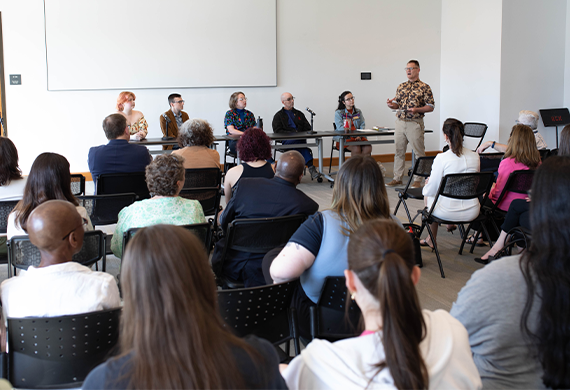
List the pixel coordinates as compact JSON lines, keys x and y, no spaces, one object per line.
{"x":493,"y":146}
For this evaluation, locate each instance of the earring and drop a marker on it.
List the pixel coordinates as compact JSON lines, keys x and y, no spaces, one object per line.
{"x":353,"y":296}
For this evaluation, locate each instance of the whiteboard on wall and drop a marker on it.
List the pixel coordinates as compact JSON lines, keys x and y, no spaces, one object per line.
{"x":133,"y":44}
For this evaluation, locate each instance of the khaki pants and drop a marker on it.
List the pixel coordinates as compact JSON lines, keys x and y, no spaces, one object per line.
{"x":407,"y":132}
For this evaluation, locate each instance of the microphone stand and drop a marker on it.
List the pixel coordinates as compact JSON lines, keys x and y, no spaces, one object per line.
{"x":312,"y":126}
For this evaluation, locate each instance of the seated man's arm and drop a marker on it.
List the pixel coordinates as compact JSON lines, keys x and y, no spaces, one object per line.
{"x":278,"y":125}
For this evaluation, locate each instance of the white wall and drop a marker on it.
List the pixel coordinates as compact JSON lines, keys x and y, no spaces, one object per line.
{"x":322,"y":46}
{"x":471,"y":63}
{"x":532,"y":61}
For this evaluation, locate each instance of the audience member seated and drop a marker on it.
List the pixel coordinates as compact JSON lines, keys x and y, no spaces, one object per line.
{"x":402,"y":346}
{"x":49,"y":179}
{"x":262,"y":198}
{"x":165,"y":179}
{"x":528,"y":118}
{"x":137,"y":125}
{"x":118,"y":156}
{"x":521,"y":154}
{"x":319,"y":247}
{"x":58,"y":286}
{"x":172,"y":335}
{"x":290,"y":120}
{"x":12,"y":182}
{"x":195,"y":138}
{"x":171,"y":121}
{"x":516,"y":309}
{"x":457,"y":159}
{"x":254,"y":149}
{"x":237,"y":119}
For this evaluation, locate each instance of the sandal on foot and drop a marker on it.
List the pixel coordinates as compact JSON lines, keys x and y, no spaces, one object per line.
{"x":425,"y":243}
{"x":479,"y":241}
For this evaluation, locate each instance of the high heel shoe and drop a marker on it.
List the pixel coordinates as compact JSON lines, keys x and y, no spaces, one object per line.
{"x":451,"y":228}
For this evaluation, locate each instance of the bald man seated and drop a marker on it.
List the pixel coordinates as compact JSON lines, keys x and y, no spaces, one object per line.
{"x":58,"y":285}
{"x":290,"y":120}
{"x":263,"y":198}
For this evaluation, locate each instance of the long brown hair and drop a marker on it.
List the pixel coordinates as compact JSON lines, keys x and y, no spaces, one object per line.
{"x":381,"y":254}
{"x":564,"y":148}
{"x":455,"y":132}
{"x":9,"y":169}
{"x":359,"y":192}
{"x":171,"y":324}
{"x":49,"y":179}
{"x":522,"y":146}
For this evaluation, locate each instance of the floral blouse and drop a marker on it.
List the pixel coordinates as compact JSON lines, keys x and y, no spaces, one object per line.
{"x":232,"y":119}
{"x":141,"y":125}
{"x":172,"y":210}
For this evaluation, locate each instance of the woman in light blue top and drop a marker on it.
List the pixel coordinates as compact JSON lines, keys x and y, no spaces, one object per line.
{"x":348,"y":114}
{"x":165,"y":179}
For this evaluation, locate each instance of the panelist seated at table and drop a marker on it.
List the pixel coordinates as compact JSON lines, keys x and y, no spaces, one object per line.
{"x":237,"y":119}
{"x":138,"y":127}
{"x":194,"y":139}
{"x":290,"y":120}
{"x":349,"y":118}
{"x":171,"y":121}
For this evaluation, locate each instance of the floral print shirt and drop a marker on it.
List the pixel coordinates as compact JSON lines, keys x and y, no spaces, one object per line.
{"x":232,"y":119}
{"x":413,"y":94}
{"x":141,"y":125}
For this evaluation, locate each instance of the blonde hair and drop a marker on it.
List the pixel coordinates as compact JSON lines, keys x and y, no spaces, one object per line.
{"x":522,"y":146}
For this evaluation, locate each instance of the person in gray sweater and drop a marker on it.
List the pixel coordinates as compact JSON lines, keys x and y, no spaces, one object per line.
{"x":516,"y":308}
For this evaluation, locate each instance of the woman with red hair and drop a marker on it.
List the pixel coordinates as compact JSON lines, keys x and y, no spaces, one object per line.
{"x":135,"y":119}
{"x":254,"y":148}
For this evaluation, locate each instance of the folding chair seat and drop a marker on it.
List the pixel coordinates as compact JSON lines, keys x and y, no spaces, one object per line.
{"x":422,"y":168}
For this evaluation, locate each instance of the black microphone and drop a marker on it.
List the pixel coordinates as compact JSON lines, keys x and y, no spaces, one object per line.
{"x":311,"y":111}
{"x":166,"y":118}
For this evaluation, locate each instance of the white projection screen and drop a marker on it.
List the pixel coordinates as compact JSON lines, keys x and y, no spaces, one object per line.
{"x":133,"y":44}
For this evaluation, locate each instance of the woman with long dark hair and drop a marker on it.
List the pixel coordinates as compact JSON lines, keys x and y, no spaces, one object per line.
{"x":172,"y":335}
{"x":49,"y":179}
{"x":516,"y":309}
{"x":349,"y":118}
{"x":401,"y":346}
{"x":11,"y":181}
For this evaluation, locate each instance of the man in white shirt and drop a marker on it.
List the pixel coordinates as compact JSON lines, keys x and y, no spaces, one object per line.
{"x":58,"y":285}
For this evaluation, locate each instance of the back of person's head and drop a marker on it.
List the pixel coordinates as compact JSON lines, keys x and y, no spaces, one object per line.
{"x":172,"y":97}
{"x":528,"y":118}
{"x":124,"y":97}
{"x":564,"y":148}
{"x":56,"y":226}
{"x":163,"y":174}
{"x":114,"y":126}
{"x":341,"y":105}
{"x":290,"y":166}
{"x":195,"y":132}
{"x":522,"y":146}
{"x":234,"y":99}
{"x":381,"y":254}
{"x":9,"y":169}
{"x":254,"y":145}
{"x":359,"y":192}
{"x":170,"y":322}
{"x":546,"y":268}
{"x":49,"y":179}
{"x":455,"y":132}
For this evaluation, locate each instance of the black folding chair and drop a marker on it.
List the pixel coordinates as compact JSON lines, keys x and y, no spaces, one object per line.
{"x":104,"y":209}
{"x":544,"y":153}
{"x":458,"y":186}
{"x":59,"y":352}
{"x":422,"y":168}
{"x":22,"y":253}
{"x":475,"y":130}
{"x":6,"y":208}
{"x":265,"y":312}
{"x":335,"y":317}
{"x":121,"y":183}
{"x":256,"y":235}
{"x":333,"y":148}
{"x":77,"y":184}
{"x":489,"y":162}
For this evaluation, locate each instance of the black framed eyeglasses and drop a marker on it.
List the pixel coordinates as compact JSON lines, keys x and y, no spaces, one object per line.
{"x":84,"y":222}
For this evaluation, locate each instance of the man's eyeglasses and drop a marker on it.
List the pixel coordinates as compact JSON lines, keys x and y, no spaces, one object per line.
{"x":180,"y":101}
{"x":415,"y":67}
{"x":290,"y":99}
{"x":83,"y":223}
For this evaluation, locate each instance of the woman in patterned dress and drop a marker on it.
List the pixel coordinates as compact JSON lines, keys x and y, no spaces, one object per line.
{"x":135,"y":119}
{"x":165,"y":179}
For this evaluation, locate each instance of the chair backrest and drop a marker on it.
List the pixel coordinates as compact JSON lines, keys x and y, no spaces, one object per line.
{"x":519,"y":181}
{"x":104,"y":209}
{"x":490,"y":161}
{"x":475,"y":130}
{"x":262,"y":311}
{"x":77,"y":184}
{"x":544,"y":153}
{"x":22,"y":253}
{"x":59,"y":352}
{"x":329,"y":318}
{"x":121,"y":183}
{"x":423,"y":166}
{"x":209,"y":198}
{"x":202,"y":177}
{"x":6,"y":208}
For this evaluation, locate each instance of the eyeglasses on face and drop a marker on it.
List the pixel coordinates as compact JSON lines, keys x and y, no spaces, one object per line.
{"x":84,"y":222}
{"x":349,"y":99}
{"x":179,"y":101}
{"x":242,"y":99}
{"x":290,"y":99}
{"x":415,"y":67}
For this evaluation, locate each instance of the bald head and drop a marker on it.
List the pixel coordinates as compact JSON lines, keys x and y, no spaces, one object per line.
{"x":288,"y":101}
{"x":290,"y":166}
{"x":56,"y":228}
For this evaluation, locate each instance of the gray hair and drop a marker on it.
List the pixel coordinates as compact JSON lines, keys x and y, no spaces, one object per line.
{"x":195,"y":132}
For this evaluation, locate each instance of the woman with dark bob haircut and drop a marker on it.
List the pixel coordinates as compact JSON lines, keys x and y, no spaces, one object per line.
{"x":49,"y":179}
{"x":172,"y":335}
{"x":195,"y":137}
{"x":516,"y":309}
{"x":164,"y":179}
{"x":254,"y":149}
{"x":402,"y":346}
{"x":11,"y":181}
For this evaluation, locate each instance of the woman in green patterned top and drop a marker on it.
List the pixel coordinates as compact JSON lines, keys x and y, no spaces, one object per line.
{"x":165,"y":179}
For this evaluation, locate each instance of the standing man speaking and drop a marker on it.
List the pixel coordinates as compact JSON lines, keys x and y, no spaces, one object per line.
{"x":413,"y":99}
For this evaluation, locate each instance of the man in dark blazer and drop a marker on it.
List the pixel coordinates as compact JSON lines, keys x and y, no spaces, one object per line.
{"x":118,"y":156}
{"x":171,"y":120}
{"x":263,"y":198}
{"x":290,"y":120}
